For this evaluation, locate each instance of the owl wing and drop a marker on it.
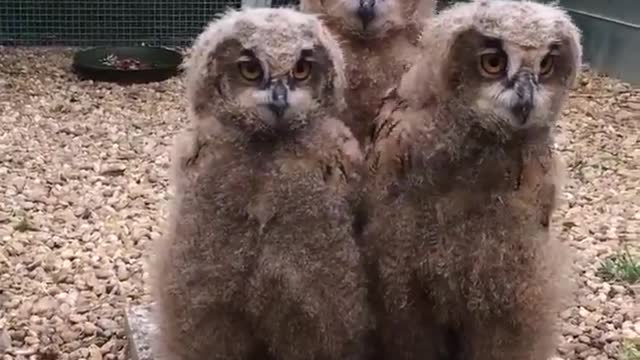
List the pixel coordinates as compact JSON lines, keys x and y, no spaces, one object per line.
{"x":540,"y":182}
{"x":185,"y":151}
{"x":417,"y":145}
{"x":339,"y":152}
{"x":390,"y":150}
{"x":190,"y":146}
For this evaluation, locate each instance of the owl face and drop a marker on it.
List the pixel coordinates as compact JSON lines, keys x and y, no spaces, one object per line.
{"x":506,"y":62}
{"x":370,"y":18}
{"x":265,"y":72}
{"x":523,"y":86}
{"x":275,"y":96}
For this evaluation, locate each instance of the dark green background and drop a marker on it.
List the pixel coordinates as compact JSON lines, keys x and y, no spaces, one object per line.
{"x":611,"y":34}
{"x":101,"y":22}
{"x":611,"y":28}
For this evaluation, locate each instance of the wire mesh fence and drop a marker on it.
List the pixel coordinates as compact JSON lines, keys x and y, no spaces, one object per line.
{"x":109,"y":22}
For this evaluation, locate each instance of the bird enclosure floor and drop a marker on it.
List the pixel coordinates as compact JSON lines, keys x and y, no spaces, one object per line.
{"x":83,"y":178}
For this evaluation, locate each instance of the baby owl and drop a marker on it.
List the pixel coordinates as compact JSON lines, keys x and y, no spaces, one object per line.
{"x":462,"y":184}
{"x":380,"y":40}
{"x":259,"y":260}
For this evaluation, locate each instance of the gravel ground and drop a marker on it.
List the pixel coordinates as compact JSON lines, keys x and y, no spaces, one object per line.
{"x":84,"y":187}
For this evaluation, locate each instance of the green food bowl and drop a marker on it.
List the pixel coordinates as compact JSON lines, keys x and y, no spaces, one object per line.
{"x":127,"y":64}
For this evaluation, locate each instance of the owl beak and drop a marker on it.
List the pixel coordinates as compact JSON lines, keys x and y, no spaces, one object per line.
{"x":278,"y":103}
{"x":366,"y":11}
{"x":524,"y":86}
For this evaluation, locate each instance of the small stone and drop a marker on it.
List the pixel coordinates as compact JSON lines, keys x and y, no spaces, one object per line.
{"x":113,"y":170}
{"x":610,"y":337}
{"x":76,"y":318}
{"x":629,"y":333}
{"x":68,"y":335}
{"x":588,"y":351}
{"x":82,"y":353}
{"x":5,"y":341}
{"x":567,"y":314}
{"x":107,"y":324}
{"x":28,"y":205}
{"x":618,"y":289}
{"x":16,"y":248}
{"x":152,"y":177}
{"x":139,"y":233}
{"x":624,"y":115}
{"x":634,"y":106}
{"x":583,"y":312}
{"x":67,"y":254}
{"x":95,"y":353}
{"x":107,"y":347}
{"x":31,"y":340}
{"x":89,"y":328}
{"x":617,"y":320}
{"x":43,"y":306}
{"x":73,"y":345}
{"x":103,"y":274}
{"x":122,"y":273}
{"x":37,"y":194}
{"x":579,"y":347}
{"x":584,"y":339}
{"x":572,"y":330}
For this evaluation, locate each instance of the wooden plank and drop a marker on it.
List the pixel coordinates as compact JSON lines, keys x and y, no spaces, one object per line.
{"x":140,"y":330}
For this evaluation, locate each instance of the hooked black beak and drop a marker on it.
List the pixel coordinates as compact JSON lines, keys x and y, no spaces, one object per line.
{"x":279,"y":103}
{"x":524,"y":86}
{"x":366,"y":12}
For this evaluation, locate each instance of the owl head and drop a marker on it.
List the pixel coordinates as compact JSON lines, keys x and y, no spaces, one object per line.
{"x":264,"y":71}
{"x":370,"y":18}
{"x":512,"y":62}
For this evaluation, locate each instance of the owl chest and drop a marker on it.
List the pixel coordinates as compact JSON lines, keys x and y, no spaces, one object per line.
{"x":369,"y":79}
{"x":287,"y":202}
{"x":374,"y":70}
{"x":369,"y":70}
{"x":517,"y":179}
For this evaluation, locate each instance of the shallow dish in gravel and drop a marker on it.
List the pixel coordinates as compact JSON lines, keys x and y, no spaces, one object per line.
{"x":127,"y":64}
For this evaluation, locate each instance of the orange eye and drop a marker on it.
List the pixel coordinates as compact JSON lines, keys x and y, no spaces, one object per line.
{"x":547,"y":65}
{"x":493,"y":64}
{"x":250,"y":70}
{"x":302,"y":70}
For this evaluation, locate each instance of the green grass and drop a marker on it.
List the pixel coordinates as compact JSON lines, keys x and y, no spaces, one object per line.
{"x":622,"y":266}
{"x":631,"y":350}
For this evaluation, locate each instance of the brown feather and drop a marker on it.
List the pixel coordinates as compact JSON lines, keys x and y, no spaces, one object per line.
{"x":375,"y":57}
{"x":259,"y":259}
{"x":459,"y":197}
